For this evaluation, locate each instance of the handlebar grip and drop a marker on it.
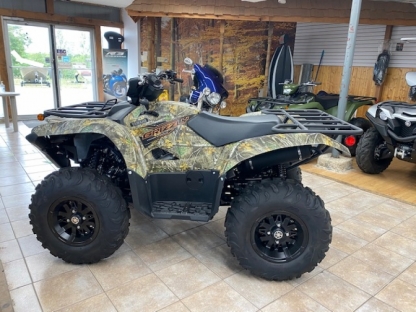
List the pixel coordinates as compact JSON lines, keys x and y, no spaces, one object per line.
{"x":178,"y":80}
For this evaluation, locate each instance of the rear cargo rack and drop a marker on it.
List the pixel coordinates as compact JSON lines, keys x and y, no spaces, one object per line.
{"x":311,"y":121}
{"x":282,"y":101}
{"x":83,"y":110}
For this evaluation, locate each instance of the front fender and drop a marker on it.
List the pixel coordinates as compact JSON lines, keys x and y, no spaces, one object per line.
{"x":118,"y":134}
{"x":255,"y":146}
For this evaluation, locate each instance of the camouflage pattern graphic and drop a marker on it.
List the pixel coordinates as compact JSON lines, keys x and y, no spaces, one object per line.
{"x":192,"y":151}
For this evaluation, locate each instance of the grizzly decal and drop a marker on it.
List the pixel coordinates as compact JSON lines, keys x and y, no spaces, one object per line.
{"x":163,"y":129}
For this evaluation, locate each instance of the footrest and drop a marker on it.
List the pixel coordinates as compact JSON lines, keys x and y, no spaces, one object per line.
{"x":195,"y":211}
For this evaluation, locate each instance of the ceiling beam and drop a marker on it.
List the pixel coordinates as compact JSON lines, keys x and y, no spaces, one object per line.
{"x":303,"y":19}
{"x":58,"y":19}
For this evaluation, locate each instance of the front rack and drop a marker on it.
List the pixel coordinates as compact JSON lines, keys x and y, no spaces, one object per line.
{"x":83,"y":110}
{"x":311,"y":121}
{"x":289,"y":101}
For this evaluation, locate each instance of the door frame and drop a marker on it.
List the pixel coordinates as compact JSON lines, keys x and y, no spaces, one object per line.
{"x":52,"y":52}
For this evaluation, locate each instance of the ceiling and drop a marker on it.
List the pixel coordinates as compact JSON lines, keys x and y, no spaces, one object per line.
{"x":125,"y":3}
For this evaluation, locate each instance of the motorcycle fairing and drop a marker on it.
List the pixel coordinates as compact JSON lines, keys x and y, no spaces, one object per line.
{"x":205,"y":79}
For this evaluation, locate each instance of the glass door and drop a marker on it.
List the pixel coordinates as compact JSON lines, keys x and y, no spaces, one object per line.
{"x":74,"y":55}
{"x":30,"y":66}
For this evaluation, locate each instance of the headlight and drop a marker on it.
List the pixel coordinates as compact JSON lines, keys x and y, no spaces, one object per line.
{"x":223,"y":104}
{"x":264,"y":105}
{"x":214,"y":98}
{"x":206,"y":91}
{"x":383,"y":116}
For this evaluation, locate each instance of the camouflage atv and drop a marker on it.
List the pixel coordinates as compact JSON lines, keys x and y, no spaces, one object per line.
{"x":171,"y":161}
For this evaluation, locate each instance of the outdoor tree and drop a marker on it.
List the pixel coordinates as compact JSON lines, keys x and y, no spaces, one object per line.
{"x":19,"y":41}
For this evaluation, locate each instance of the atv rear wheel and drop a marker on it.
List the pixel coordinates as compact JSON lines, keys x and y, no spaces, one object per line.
{"x":369,"y":151}
{"x":278,"y":229}
{"x":79,"y":215}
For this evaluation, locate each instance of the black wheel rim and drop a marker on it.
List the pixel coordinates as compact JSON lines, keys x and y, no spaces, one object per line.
{"x":279,"y":237}
{"x":73,"y":221}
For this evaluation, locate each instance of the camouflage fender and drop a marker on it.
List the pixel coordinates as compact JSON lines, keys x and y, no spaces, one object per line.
{"x":255,"y":146}
{"x":118,"y":134}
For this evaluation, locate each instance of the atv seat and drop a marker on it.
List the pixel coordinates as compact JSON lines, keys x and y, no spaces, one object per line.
{"x":220,"y":131}
{"x":327,"y":100}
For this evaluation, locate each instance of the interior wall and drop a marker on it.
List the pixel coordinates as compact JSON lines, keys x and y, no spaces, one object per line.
{"x":131,"y":35}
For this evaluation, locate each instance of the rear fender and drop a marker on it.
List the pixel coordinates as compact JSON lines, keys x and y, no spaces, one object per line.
{"x":118,"y":134}
{"x":255,"y":146}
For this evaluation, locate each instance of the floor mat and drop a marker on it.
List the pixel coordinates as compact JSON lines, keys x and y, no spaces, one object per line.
{"x":398,"y":181}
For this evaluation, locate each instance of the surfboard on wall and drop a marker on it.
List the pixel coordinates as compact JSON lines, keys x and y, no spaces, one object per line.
{"x":281,"y":68}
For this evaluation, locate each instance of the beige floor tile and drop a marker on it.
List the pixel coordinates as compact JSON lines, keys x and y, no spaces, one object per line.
{"x":346,"y":242}
{"x":44,"y":266}
{"x":222,"y":212}
{"x":383,"y":259}
{"x":30,"y":245}
{"x":6,"y":232}
{"x":220,"y":261}
{"x":99,"y":303}
{"x":17,"y":274}
{"x":219,"y":296}
{"x":22,"y":157}
{"x":24,"y":299}
{"x":375,"y":217}
{"x":18,"y":213}
{"x":334,"y":191}
{"x":306,"y":276}
{"x":17,"y":200}
{"x":396,"y":210}
{"x":12,"y":171}
{"x":9,"y":158}
{"x":198,"y":240}
{"x":173,"y":227}
{"x":406,"y":228}
{"x":3,"y":216}
{"x":119,"y":269}
{"x":16,"y":179}
{"x":394,"y":242}
{"x":314,"y":181}
{"x":10,"y":165}
{"x":17,"y":189}
{"x":355,"y":203}
{"x":409,"y":275}
{"x":362,"y":275}
{"x":1,"y":204}
{"x":375,"y":305}
{"x":39,"y":169}
{"x":196,"y":275}
{"x":364,"y":230}
{"x":40,"y":175}
{"x":34,"y":162}
{"x":22,"y":228}
{"x":250,"y":286}
{"x":176,"y":307}
{"x":217,"y":227}
{"x":295,"y":301}
{"x":336,"y":216}
{"x":138,"y":217}
{"x":332,"y":257}
{"x":66,"y":289}
{"x":162,"y":254}
{"x":399,"y":294}
{"x":147,"y":293}
{"x":144,"y":234}
{"x":10,"y":251}
{"x":334,"y":293}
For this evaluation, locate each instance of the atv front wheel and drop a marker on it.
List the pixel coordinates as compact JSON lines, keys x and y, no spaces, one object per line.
{"x":369,"y":150}
{"x":79,"y":215}
{"x":278,"y":229}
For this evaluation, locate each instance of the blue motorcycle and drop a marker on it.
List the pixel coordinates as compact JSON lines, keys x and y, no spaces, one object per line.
{"x":207,"y":92}
{"x":115,"y":83}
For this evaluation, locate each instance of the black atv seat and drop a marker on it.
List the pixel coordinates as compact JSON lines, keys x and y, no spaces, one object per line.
{"x":219,"y":130}
{"x":327,"y":101}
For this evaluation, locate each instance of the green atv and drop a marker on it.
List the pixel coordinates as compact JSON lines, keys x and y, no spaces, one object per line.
{"x":295,"y":97}
{"x":169,"y":160}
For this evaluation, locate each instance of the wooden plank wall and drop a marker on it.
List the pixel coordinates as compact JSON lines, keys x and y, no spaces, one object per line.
{"x":394,"y":87}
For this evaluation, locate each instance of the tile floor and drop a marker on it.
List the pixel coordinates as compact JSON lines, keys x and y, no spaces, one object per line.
{"x":186,"y":266}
